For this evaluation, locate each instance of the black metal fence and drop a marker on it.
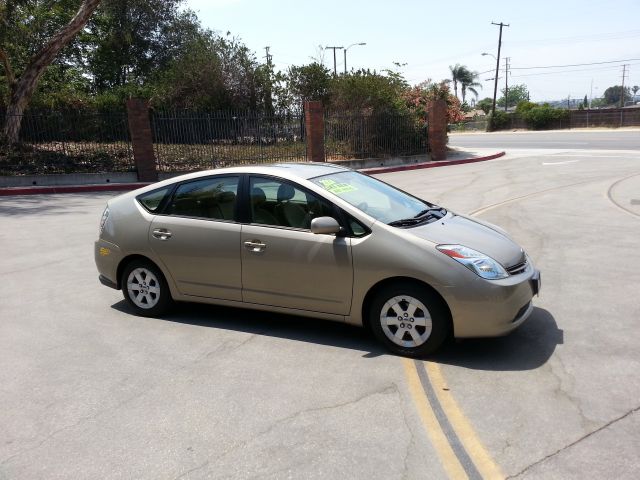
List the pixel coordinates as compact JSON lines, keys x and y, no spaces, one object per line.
{"x":185,"y":140}
{"x":70,"y":142}
{"x":374,"y":136}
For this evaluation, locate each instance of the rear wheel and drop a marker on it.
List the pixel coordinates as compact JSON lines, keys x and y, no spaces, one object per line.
{"x":409,"y":319}
{"x":145,"y":288}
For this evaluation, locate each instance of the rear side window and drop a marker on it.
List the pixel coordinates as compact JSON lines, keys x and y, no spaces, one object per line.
{"x":212,"y":198}
{"x":152,"y":200}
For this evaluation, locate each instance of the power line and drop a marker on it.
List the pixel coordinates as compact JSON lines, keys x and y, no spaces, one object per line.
{"x":575,"y":64}
{"x":562,"y":72}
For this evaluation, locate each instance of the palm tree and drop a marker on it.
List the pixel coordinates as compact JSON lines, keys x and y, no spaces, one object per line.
{"x":469,"y":82}
{"x":456,"y":75}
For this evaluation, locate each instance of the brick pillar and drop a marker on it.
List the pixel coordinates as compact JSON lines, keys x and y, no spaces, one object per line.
{"x":314,"y":124}
{"x":438,"y":129}
{"x":142,"y":140}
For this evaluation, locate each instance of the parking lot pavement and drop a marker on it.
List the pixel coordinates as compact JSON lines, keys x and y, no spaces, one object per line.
{"x":90,"y":391}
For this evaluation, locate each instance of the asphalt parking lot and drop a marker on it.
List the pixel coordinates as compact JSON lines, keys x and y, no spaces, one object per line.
{"x":89,"y":390}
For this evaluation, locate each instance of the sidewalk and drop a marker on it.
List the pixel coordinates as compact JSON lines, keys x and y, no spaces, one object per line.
{"x":455,"y":156}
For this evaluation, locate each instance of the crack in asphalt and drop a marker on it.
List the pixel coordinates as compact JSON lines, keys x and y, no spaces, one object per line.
{"x":381,"y":391}
{"x":194,"y":469}
{"x":572,"y":444}
{"x":223,"y":347}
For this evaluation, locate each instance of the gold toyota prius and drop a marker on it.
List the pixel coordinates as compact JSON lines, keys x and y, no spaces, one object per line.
{"x":316,"y":240}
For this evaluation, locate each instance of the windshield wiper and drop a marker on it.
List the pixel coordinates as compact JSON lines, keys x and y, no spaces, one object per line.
{"x":427,"y":211}
{"x":423,"y":216}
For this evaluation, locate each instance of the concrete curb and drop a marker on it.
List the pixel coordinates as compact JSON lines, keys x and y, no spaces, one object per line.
{"x":443,"y":163}
{"x":119,"y":187}
{"x":111,"y":187}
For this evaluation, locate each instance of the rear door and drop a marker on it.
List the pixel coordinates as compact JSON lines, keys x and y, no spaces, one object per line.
{"x":198,"y":239}
{"x":283,"y":263}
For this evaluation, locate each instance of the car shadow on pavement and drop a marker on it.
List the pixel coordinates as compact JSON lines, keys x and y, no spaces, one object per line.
{"x":527,"y":348}
{"x":301,"y":329}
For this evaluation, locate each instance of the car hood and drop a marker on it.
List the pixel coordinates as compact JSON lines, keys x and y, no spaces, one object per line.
{"x":455,"y":229}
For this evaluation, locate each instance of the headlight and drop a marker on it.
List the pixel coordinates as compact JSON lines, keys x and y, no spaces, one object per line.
{"x":477,"y":262}
{"x":103,"y":220}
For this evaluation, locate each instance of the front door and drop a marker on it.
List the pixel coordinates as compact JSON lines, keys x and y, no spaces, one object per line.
{"x":198,"y":240}
{"x":283,"y":263}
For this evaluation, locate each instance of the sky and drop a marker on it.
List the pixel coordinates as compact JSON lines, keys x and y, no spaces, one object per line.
{"x":426,"y":37}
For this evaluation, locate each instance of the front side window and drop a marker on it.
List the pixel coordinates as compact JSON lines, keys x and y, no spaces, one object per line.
{"x":279,"y":203}
{"x":377,"y":199}
{"x":211,"y":198}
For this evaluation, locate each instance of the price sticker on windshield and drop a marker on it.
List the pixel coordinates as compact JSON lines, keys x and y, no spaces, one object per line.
{"x":337,"y":188}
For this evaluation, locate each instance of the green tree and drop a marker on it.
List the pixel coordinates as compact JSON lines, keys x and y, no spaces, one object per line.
{"x":516,"y":94}
{"x":17,"y":27}
{"x":585,"y":101}
{"x":486,"y":104}
{"x":612,"y":95}
{"x":635,"y":89}
{"x":132,"y":39}
{"x":308,"y":82}
{"x":364,"y":91}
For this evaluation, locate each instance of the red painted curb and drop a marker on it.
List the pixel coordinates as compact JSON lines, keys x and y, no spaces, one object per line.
{"x":444,"y":163}
{"x":111,"y":187}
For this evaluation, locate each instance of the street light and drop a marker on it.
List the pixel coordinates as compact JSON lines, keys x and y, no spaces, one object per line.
{"x":484,"y":54}
{"x":345,"y":53}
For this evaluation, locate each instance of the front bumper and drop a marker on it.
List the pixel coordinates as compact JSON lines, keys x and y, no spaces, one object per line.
{"x":493,"y":308}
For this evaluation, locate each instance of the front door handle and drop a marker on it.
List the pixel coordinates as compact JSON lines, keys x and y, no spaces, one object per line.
{"x":255,"y":246}
{"x":162,"y":234}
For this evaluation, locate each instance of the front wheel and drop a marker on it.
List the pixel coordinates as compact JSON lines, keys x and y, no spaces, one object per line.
{"x":145,"y":288}
{"x":409,"y":319}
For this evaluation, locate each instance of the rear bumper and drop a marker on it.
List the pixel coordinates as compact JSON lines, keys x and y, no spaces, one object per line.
{"x":107,"y":257}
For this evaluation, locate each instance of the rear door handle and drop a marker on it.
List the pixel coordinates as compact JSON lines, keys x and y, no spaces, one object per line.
{"x":255,"y":246}
{"x":162,"y":234}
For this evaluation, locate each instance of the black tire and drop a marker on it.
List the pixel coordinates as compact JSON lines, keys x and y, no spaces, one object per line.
{"x":436,"y":311}
{"x":152,"y":298}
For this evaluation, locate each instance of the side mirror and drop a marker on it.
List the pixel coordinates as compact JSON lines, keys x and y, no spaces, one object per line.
{"x":324,"y":225}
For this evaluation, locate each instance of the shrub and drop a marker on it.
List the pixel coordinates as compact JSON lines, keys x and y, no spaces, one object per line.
{"x":544,"y":116}
{"x":497,"y":121}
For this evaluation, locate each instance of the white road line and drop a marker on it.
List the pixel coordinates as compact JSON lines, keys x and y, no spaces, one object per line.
{"x":560,"y":163}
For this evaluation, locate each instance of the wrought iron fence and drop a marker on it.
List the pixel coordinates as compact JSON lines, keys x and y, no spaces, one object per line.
{"x":70,"y":142}
{"x":185,"y":140}
{"x":356,"y":136}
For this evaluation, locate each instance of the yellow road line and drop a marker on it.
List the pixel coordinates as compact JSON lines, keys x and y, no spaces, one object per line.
{"x":476,"y":451}
{"x":439,"y":440}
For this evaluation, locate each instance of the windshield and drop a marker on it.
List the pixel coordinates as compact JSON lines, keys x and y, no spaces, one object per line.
{"x":379,"y":200}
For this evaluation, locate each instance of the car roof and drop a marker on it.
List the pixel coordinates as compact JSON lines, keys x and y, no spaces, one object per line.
{"x":291,"y":171}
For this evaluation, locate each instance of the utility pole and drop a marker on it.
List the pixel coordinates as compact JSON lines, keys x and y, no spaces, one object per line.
{"x":624,"y":73}
{"x":268,"y":56}
{"x":495,"y":85}
{"x":335,"y":69}
{"x":506,"y":82}
{"x":268,"y":99}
